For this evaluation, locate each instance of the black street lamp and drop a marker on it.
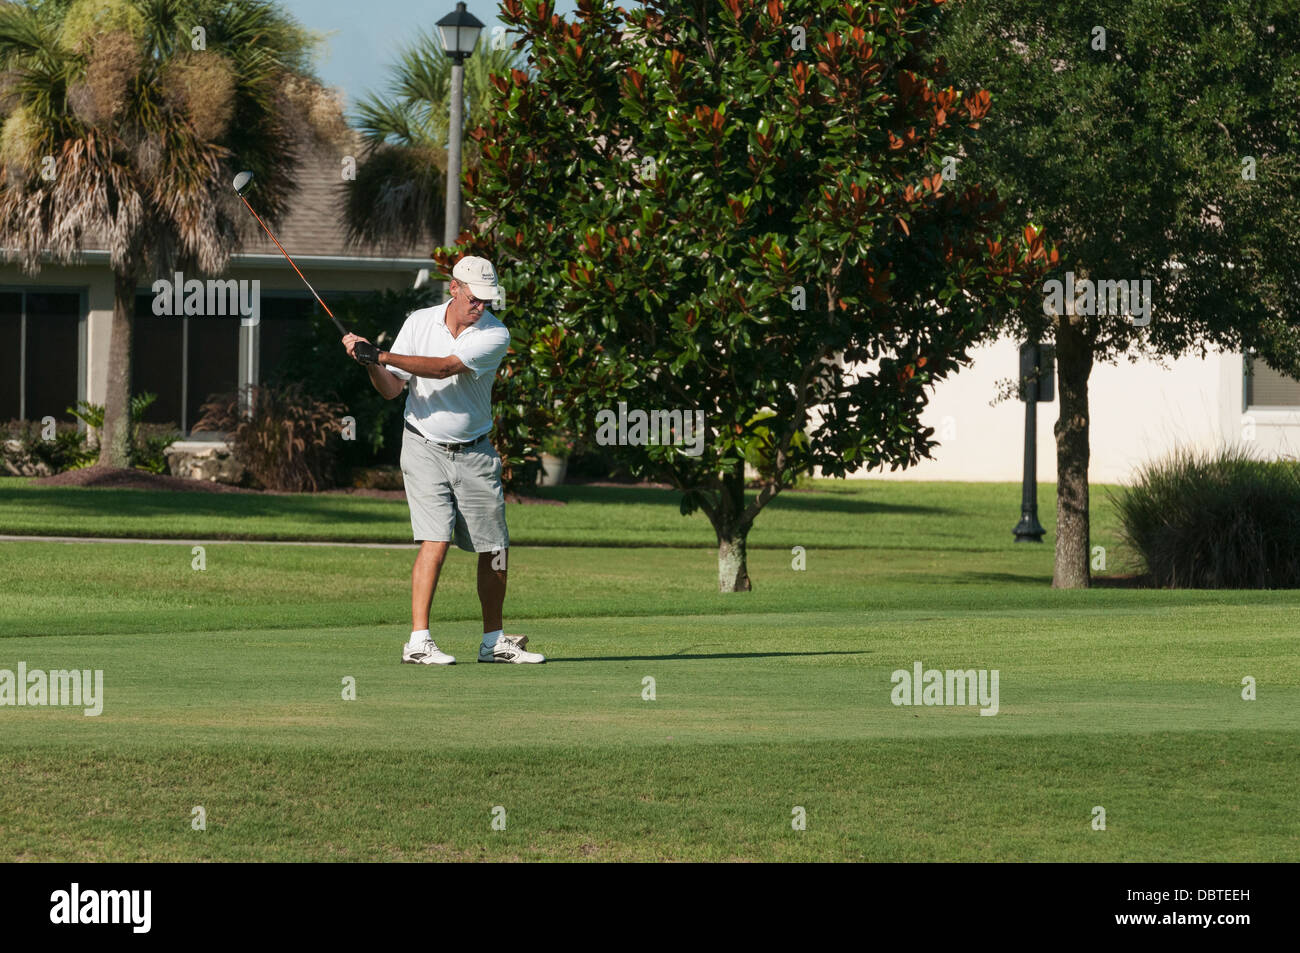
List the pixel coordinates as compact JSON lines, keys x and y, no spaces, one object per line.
{"x":459,"y":30}
{"x":1037,"y":384}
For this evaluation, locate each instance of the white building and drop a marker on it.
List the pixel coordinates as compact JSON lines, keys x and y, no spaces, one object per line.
{"x":1139,"y":411}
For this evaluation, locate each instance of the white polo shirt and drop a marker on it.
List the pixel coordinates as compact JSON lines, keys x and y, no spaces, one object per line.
{"x":455,"y":409}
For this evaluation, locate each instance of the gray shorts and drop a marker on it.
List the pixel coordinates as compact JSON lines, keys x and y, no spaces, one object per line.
{"x":455,"y":496}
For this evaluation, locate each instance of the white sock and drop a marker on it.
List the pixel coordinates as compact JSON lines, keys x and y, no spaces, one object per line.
{"x":418,"y":637}
{"x":490,"y":638}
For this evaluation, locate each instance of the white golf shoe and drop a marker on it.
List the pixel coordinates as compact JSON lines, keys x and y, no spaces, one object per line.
{"x":508,"y":649}
{"x":425,"y":653}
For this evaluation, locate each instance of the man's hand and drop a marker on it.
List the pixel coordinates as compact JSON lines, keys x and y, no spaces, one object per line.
{"x":361,"y":350}
{"x":367,"y":355}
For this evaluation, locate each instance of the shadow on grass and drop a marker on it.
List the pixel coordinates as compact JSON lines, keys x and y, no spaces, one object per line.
{"x":800,"y":502}
{"x":327,"y":507}
{"x":324,"y":508}
{"x":680,"y":658}
{"x":1098,"y":581}
{"x":1006,"y":577}
{"x":1131,"y":581}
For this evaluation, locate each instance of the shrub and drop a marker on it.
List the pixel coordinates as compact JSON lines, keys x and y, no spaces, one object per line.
{"x":315,"y":359}
{"x":148,"y":442}
{"x":378,"y":478}
{"x":1222,"y":520}
{"x":285,"y":442}
{"x":590,"y":461}
{"x":25,"y":452}
{"x":149,"y":449}
{"x":558,"y":444}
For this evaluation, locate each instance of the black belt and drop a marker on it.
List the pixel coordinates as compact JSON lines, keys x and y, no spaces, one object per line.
{"x":451,"y":447}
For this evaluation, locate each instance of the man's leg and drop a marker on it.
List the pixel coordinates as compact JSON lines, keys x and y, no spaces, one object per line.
{"x":424,"y":580}
{"x":481,"y":525}
{"x":497,"y":646}
{"x":492,"y":587}
{"x":433,"y":515}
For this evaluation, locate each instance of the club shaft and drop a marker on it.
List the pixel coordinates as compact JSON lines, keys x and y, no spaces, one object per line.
{"x":337,"y":323}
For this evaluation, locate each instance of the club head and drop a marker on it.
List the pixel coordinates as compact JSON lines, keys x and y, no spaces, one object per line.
{"x":242,"y":182}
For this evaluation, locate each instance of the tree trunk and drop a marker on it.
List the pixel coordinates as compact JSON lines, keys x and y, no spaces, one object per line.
{"x":733,"y":571}
{"x":115,"y":442}
{"x":1073,"y":540}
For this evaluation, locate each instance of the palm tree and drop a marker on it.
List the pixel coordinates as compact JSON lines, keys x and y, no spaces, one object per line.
{"x":126,"y":120}
{"x":400,"y":191}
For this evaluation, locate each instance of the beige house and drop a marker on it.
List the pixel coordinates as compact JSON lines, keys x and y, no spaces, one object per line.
{"x":61,"y":318}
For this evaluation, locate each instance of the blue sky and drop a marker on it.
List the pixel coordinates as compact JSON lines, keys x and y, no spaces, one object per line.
{"x":363,"y":39}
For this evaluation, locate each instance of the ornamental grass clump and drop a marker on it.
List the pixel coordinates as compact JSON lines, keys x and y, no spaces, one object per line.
{"x":1216,"y":520}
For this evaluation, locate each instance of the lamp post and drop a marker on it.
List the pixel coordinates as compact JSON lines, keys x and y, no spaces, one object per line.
{"x":459,"y":30}
{"x":1037,"y":380}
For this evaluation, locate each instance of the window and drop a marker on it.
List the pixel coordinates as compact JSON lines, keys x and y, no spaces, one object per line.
{"x":155,"y":362}
{"x":186,"y":360}
{"x":11,"y":358}
{"x":1265,"y":387}
{"x":211,"y":364}
{"x":40,"y":372}
{"x":294,"y":324}
{"x":182,"y":360}
{"x":287,"y":326}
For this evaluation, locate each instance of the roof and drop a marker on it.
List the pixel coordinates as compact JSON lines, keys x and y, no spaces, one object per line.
{"x":313,"y":226}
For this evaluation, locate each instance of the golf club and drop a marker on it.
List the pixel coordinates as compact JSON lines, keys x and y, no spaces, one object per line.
{"x":366,"y":353}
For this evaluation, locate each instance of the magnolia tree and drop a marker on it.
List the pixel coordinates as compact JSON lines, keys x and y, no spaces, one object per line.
{"x":1157,"y":144}
{"x":736,"y":217}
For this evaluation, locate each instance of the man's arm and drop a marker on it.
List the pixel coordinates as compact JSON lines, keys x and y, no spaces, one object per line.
{"x":435,"y":367}
{"x":388,"y":385}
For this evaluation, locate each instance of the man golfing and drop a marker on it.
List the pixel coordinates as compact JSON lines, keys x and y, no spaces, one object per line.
{"x":452,"y":473}
{"x":449,"y":354}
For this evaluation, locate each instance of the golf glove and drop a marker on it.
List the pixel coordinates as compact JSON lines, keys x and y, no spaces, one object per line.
{"x":365,"y":352}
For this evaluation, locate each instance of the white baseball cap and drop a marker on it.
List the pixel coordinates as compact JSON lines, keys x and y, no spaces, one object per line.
{"x":479,"y":274}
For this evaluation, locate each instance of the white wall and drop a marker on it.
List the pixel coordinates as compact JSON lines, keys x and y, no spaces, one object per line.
{"x":1139,"y":411}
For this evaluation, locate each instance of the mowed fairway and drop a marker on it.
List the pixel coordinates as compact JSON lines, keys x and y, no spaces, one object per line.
{"x":224,"y":689}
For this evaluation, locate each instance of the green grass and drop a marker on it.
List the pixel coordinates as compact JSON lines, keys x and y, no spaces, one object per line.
{"x":837,"y":514}
{"x":223,"y":688}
